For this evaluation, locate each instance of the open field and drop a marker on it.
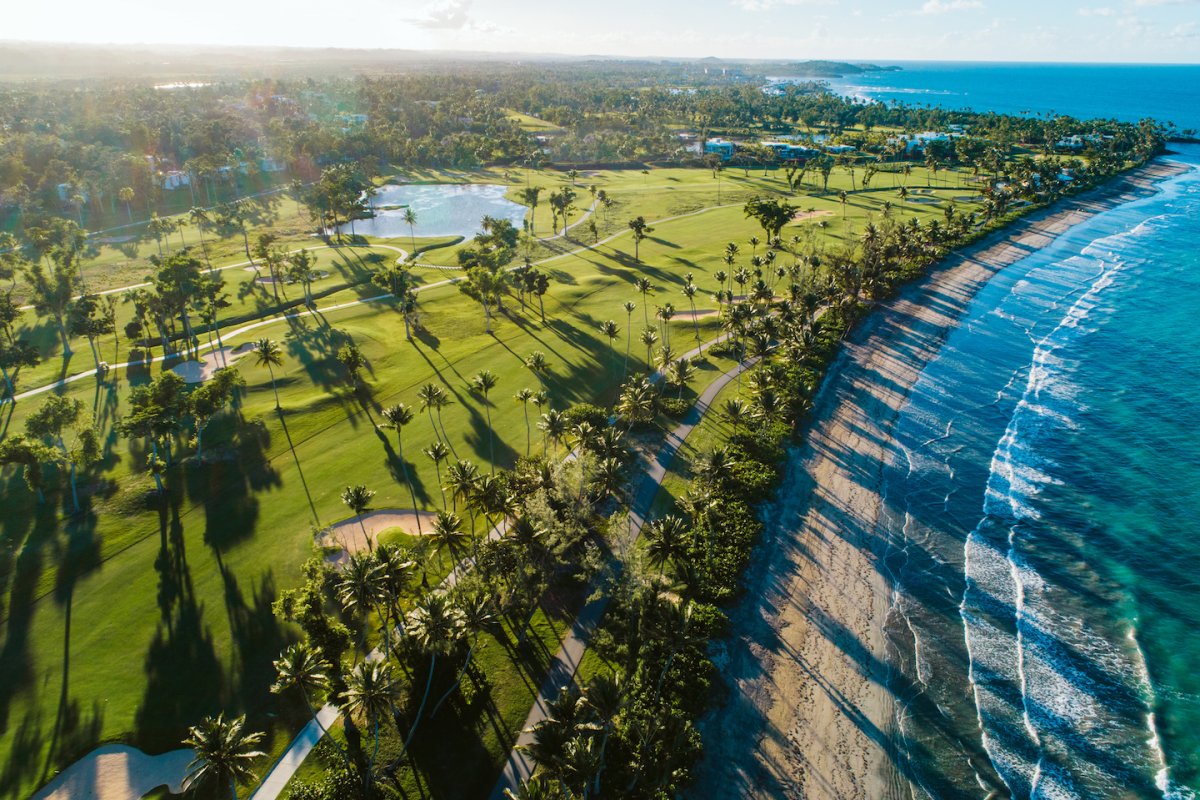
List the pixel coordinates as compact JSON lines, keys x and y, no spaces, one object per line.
{"x":129,"y":622}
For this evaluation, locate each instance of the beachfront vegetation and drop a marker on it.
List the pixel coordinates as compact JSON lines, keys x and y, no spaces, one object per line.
{"x":242,"y":377}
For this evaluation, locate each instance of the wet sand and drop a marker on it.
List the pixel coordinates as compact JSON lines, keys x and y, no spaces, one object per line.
{"x":808,"y":712}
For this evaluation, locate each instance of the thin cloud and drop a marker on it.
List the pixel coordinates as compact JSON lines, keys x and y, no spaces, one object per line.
{"x":946,"y":6}
{"x":767,"y":5}
{"x":454,"y":15}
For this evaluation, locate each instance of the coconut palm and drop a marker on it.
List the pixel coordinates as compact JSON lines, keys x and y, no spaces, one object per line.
{"x":649,"y":338}
{"x":224,"y":753}
{"x":536,"y":363}
{"x":665,"y":312}
{"x":267,"y":353}
{"x":358,"y":499}
{"x":199,"y":217}
{"x":483,"y":382}
{"x":398,"y":416}
{"x":438,"y":452}
{"x":523,"y":397}
{"x":736,"y":412}
{"x":430,"y":397}
{"x":410,"y":219}
{"x":630,"y":306}
{"x":478,"y":617}
{"x":448,"y":533}
{"x":665,"y":540}
{"x":302,"y":667}
{"x":553,"y":425}
{"x":461,"y":480}
{"x":436,"y":625}
{"x":644,"y":288}
{"x":370,"y":694}
{"x":612,"y":330}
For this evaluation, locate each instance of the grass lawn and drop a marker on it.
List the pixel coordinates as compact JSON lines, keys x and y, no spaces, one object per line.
{"x":139,"y":617}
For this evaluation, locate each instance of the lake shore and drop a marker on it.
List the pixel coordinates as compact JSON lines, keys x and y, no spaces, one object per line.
{"x":809,"y":713}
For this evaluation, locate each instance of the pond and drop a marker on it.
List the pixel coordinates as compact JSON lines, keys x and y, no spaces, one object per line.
{"x":442,"y":210}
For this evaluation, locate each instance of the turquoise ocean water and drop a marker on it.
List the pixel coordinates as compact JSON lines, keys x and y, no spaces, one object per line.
{"x":1044,"y":522}
{"x":1127,"y":92}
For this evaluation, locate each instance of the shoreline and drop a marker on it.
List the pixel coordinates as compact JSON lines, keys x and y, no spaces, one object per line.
{"x":808,"y":712}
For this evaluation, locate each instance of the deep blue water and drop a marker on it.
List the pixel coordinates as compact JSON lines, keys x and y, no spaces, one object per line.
{"x":1044,"y":521}
{"x":1120,"y":91}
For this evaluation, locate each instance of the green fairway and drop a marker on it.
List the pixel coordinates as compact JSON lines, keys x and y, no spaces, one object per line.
{"x":131,"y":621}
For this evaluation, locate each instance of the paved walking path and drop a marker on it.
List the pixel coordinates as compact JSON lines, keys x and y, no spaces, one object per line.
{"x":520,"y":766}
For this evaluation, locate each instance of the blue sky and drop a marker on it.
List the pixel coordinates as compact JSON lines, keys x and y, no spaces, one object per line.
{"x":987,"y":30}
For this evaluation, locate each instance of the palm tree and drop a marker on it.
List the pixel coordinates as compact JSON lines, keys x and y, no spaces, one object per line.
{"x":370,"y":693}
{"x":536,"y":363}
{"x":843,"y":198}
{"x":478,"y":617}
{"x":302,"y":667}
{"x":736,"y":412}
{"x":200,"y":218}
{"x":529,"y":196}
{"x":224,"y":751}
{"x":649,"y":338}
{"x":438,"y":452}
{"x":267,"y":353}
{"x":398,"y":416}
{"x":629,"y":307}
{"x":410,"y":219}
{"x":358,"y":498}
{"x":523,"y":397}
{"x":665,"y":312}
{"x":553,"y":426}
{"x":125,"y":195}
{"x":460,"y":480}
{"x":483,"y":382}
{"x":612,"y":330}
{"x":665,"y":540}
{"x":643,"y":286}
{"x":429,"y":395}
{"x":436,"y":625}
{"x":448,"y":533}
{"x":689,"y":291}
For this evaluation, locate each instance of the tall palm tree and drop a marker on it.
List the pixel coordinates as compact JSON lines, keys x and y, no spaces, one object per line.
{"x":428,"y":395}
{"x":436,"y":625}
{"x":363,"y":587}
{"x":553,"y":425}
{"x":302,"y":667}
{"x":224,"y":752}
{"x":612,"y":330}
{"x":689,"y":291}
{"x":398,"y":416}
{"x":448,"y":533}
{"x":665,"y":540}
{"x":438,"y":452}
{"x":410,"y":219}
{"x":736,"y":412}
{"x":460,"y":480}
{"x":483,"y":382}
{"x":629,"y":307}
{"x":358,"y":498}
{"x":478,"y":617}
{"x":536,"y":363}
{"x":199,"y":217}
{"x":523,"y":397}
{"x":370,"y":693}
{"x":125,"y":195}
{"x":267,"y":353}
{"x":644,"y":287}
{"x":649,"y":338}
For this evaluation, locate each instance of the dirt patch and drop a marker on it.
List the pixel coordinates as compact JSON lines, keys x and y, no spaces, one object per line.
{"x":202,"y":370}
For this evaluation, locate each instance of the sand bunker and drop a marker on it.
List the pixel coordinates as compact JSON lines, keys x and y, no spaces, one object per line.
{"x":202,"y":370}
{"x":118,"y":772}
{"x":800,"y":216}
{"x":348,"y":534}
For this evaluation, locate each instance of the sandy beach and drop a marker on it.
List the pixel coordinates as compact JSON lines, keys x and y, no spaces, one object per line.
{"x":808,"y":712}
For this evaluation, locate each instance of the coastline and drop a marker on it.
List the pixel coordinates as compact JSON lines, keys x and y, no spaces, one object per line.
{"x":809,"y":713}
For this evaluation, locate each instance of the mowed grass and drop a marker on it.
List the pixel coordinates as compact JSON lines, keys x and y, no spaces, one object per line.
{"x":135,"y":621}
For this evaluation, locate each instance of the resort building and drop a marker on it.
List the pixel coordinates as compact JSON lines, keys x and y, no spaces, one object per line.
{"x":720,"y":147}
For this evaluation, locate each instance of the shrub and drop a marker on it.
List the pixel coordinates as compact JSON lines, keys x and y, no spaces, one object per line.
{"x":586,"y":412}
{"x":674,"y":407}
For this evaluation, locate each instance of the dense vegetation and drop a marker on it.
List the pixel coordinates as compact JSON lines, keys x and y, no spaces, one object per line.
{"x":526,"y":510}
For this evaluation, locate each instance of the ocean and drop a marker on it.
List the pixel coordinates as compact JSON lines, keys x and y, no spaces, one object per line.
{"x":1043,"y":520}
{"x":1126,"y":92}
